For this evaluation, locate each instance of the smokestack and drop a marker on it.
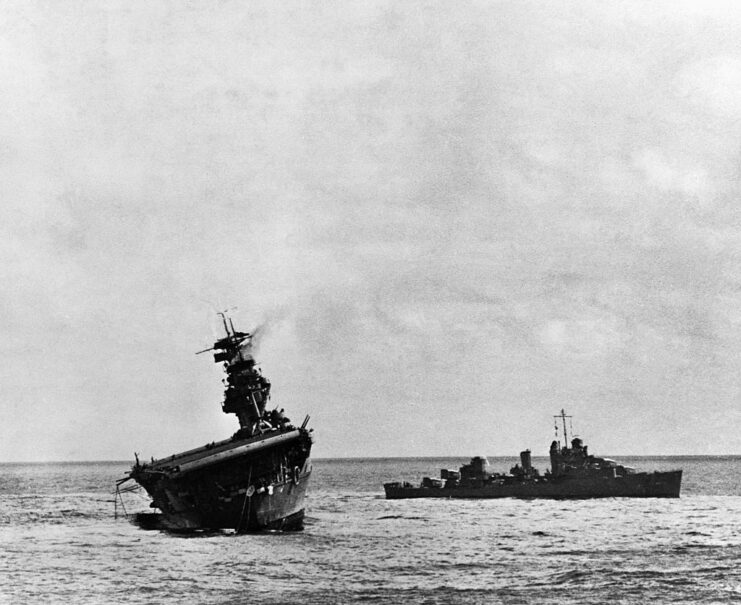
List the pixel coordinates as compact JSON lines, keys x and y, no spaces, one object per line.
{"x":525,"y":460}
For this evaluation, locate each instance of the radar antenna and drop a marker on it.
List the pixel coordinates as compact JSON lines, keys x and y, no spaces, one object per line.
{"x":563,"y":418}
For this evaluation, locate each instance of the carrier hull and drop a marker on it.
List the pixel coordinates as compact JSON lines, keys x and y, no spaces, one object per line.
{"x":246,"y":485}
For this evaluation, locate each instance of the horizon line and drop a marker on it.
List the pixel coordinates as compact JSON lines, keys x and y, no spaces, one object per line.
{"x":329,"y":458}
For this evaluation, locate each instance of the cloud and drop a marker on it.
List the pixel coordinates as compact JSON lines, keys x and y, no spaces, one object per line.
{"x":713,"y":85}
{"x":463,"y":208}
{"x":670,"y":175}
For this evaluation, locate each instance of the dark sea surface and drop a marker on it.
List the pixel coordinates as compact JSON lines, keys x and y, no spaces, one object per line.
{"x":60,"y":543}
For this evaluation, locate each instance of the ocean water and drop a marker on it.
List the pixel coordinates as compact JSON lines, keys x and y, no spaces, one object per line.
{"x":60,"y":543}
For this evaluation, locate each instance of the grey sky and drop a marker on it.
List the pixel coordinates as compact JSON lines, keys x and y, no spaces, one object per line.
{"x":453,"y":219}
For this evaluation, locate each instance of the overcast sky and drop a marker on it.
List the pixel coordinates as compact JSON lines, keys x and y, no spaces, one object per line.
{"x":450,"y":219}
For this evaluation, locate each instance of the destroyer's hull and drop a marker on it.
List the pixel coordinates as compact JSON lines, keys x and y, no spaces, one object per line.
{"x":248,"y":485}
{"x":637,"y":485}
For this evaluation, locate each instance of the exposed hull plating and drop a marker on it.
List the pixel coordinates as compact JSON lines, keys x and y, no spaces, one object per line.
{"x":232,"y":485}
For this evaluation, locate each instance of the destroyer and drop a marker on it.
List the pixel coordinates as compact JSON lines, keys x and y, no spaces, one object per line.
{"x":574,"y":473}
{"x":255,"y":480}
